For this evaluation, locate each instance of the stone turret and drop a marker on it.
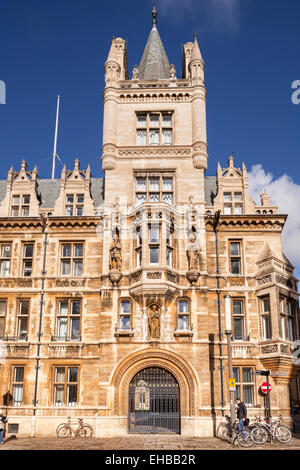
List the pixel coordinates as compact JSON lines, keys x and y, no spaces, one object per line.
{"x":196,"y":72}
{"x":196,"y":65}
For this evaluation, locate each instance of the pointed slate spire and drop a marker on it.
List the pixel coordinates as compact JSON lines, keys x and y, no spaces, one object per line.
{"x":154,"y":64}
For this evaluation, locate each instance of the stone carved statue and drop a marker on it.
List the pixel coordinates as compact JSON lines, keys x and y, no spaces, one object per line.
{"x":154,"y":322}
{"x":135,"y":73}
{"x":172,"y":71}
{"x":115,"y":253}
{"x":193,"y":253}
{"x":192,"y":209}
{"x":116,"y":212}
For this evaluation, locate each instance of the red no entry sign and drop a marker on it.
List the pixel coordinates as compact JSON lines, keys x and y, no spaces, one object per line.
{"x":264,"y":387}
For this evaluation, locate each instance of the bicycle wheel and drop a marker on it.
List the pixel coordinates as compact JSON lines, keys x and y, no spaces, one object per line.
{"x":63,"y":431}
{"x":223,"y":431}
{"x":259,"y":435}
{"x":283,"y":434}
{"x":246,"y":441}
{"x":85,"y":431}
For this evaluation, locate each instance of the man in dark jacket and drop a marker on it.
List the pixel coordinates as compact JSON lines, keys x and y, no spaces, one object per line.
{"x":241,"y":415}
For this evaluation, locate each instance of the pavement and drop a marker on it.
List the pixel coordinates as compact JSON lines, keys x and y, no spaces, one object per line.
{"x":139,"y":443}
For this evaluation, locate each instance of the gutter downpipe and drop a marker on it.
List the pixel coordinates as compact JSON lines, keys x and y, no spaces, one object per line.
{"x":40,"y":334}
{"x":215,"y":227}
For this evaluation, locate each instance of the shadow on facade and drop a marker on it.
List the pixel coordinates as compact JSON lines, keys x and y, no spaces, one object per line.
{"x":7,"y":399}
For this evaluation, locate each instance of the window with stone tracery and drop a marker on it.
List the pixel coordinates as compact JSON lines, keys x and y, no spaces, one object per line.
{"x":286,"y":319}
{"x":266,"y":317}
{"x":154,"y":187}
{"x":183,"y":315}
{"x":68,"y":320}
{"x":66,"y":386}
{"x":74,"y":205}
{"x":20,"y":205}
{"x":5,"y":252}
{"x":233,"y":203}
{"x":154,"y":128}
{"x":125,"y":314}
{"x":71,"y":259}
{"x":18,"y":385}
{"x":3,"y":306}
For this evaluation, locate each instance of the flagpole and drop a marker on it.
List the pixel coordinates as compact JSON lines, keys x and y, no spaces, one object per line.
{"x":55,"y":138}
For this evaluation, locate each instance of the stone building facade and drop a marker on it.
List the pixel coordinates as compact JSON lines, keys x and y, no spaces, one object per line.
{"x":112,"y":289}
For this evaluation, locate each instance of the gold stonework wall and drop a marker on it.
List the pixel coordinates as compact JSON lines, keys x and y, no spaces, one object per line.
{"x":101,"y":278}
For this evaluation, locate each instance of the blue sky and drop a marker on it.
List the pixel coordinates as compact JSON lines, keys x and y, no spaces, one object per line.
{"x":250,"y":48}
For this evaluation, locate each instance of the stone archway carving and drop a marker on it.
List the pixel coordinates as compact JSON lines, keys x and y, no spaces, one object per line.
{"x":168,"y":360}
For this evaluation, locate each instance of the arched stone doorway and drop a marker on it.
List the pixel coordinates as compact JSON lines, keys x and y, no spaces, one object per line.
{"x":154,"y":402}
{"x":176,"y":365}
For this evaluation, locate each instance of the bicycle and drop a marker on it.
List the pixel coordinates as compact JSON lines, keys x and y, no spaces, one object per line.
{"x":65,"y":430}
{"x":225,"y":430}
{"x":264,"y":428}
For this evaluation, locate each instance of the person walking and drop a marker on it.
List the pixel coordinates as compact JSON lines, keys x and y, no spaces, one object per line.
{"x":241,"y":415}
{"x":2,"y":421}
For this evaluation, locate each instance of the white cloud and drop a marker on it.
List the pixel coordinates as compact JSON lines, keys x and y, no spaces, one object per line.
{"x":215,"y":13}
{"x":285,"y":194}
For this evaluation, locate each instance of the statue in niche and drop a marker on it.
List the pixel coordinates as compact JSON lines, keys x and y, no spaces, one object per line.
{"x":116,"y":253}
{"x":154,"y":322}
{"x":135,"y":73}
{"x":193,"y":253}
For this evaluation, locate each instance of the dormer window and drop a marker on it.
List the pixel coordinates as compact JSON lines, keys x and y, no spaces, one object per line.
{"x":233,"y":203}
{"x":74,"y":205}
{"x":20,"y":205}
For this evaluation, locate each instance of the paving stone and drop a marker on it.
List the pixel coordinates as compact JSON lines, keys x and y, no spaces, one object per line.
{"x":135,"y":443}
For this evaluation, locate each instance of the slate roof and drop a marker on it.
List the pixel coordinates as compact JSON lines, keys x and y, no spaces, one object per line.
{"x":154,"y":64}
{"x":210,"y":187}
{"x":2,"y":190}
{"x":49,"y":191}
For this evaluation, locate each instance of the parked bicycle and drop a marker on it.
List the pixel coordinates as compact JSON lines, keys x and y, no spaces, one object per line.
{"x":225,"y":431}
{"x":65,"y":430}
{"x":264,"y":428}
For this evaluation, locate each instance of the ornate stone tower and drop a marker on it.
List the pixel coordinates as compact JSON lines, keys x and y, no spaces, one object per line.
{"x":154,"y":137}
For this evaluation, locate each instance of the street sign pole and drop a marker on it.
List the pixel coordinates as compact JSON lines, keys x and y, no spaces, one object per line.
{"x":268,"y":397}
{"x":266,"y":373}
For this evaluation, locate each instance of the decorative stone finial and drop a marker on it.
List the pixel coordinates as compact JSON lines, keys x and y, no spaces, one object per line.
{"x":23,"y":165}
{"x":135,"y":73}
{"x":154,"y":14}
{"x":231,"y":161}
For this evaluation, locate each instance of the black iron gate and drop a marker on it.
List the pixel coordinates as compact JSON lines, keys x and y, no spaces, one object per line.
{"x":154,"y":402}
